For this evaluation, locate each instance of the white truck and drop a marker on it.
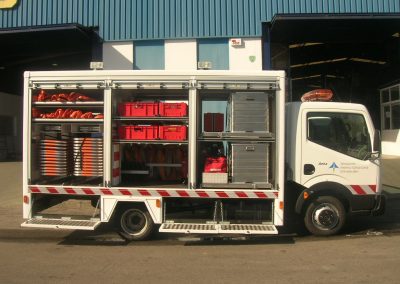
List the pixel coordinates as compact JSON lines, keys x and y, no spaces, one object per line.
{"x":199,"y":152}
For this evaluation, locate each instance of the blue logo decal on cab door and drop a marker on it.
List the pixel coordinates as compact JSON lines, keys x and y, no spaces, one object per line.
{"x":334,"y":166}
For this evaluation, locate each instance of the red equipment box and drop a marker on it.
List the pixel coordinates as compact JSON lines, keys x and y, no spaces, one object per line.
{"x":173,"y":109}
{"x":138,"y":132}
{"x":213,"y":122}
{"x":173,"y":132}
{"x":138,"y":109}
{"x":216,"y":165}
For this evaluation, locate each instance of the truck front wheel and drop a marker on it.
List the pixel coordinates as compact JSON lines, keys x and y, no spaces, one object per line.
{"x":135,"y":224}
{"x":325,"y":216}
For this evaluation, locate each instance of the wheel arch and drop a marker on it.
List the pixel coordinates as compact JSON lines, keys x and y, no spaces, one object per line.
{"x":112,"y":207}
{"x":333,"y":189}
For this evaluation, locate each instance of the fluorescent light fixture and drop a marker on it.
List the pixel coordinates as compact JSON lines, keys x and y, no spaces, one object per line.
{"x":396,"y":35}
{"x":334,"y":76}
{"x":366,"y":60}
{"x":306,"y":77}
{"x":304,"y":44}
{"x":319,"y":62}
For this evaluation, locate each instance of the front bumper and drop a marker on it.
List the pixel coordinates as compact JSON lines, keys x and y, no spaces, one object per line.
{"x":380,"y":205}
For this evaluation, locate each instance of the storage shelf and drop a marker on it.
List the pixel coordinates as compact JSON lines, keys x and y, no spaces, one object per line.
{"x":151,"y":118}
{"x":245,"y":136}
{"x":67,"y":120}
{"x":124,"y":141}
{"x":52,"y":104}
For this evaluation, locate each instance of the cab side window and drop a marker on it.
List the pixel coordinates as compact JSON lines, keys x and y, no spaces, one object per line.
{"x":342,"y":132}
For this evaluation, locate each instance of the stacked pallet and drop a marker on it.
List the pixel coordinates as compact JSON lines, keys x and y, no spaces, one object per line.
{"x":88,"y":157}
{"x":54,"y":158}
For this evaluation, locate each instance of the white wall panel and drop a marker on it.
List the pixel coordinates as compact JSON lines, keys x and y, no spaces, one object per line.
{"x":118,"y":55}
{"x":180,"y":54}
{"x":391,"y":142}
{"x":247,"y":56}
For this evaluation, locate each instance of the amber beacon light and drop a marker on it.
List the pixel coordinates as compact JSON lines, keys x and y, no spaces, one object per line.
{"x":318,"y":95}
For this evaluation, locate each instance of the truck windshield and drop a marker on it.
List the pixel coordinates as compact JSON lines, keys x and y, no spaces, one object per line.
{"x":346,"y":133}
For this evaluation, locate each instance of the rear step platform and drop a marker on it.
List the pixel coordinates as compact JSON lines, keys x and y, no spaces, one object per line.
{"x":248,"y":229}
{"x":65,"y":223}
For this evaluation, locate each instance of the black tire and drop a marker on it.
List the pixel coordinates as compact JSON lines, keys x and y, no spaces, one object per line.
{"x":325,"y":216}
{"x":135,"y":224}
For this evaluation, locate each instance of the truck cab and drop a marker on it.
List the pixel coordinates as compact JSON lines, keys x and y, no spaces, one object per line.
{"x":332,"y":160}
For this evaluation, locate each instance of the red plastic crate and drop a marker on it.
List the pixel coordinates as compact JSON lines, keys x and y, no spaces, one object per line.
{"x":173,"y":109}
{"x":138,"y":109}
{"x":173,"y":132}
{"x":213,"y":122}
{"x":138,"y":132}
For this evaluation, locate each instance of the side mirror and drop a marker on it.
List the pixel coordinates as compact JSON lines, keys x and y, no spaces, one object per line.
{"x":376,"y":147}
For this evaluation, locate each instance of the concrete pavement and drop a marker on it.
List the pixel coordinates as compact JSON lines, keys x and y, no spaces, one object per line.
{"x":368,"y":252}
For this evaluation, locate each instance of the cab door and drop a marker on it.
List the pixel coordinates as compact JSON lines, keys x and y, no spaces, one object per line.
{"x":336,"y":147}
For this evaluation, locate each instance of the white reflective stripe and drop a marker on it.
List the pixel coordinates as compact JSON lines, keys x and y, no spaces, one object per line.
{"x":351,"y":190}
{"x":155,"y":192}
{"x":361,"y":189}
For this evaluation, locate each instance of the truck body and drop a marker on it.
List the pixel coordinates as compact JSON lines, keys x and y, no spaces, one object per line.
{"x":200,"y":152}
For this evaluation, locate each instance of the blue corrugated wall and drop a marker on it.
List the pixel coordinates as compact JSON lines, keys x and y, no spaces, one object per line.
{"x":164,"y":19}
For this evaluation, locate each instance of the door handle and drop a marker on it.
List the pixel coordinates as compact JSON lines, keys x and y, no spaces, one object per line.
{"x":309,"y":169}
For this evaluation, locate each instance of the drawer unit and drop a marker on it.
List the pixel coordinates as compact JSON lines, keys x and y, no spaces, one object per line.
{"x":250,"y":163}
{"x":249,"y":112}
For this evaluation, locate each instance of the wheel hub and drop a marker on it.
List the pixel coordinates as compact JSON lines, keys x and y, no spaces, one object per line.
{"x":133,"y":222}
{"x":325,"y":217}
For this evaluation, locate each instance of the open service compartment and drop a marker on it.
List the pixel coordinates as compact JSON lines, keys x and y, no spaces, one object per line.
{"x":237,"y":136}
{"x":66,"y":119}
{"x":150,"y":122}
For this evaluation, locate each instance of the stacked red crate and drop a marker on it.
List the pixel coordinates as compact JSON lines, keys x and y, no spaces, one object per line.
{"x":173,"y":132}
{"x":173,"y":109}
{"x":138,"y":109}
{"x":138,"y":132}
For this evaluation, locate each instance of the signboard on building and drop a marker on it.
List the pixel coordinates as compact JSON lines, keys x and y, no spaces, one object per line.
{"x":5,"y":4}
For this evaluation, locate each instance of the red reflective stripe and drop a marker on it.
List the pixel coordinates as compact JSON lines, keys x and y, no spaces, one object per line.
{"x":144,"y":192}
{"x":52,"y":190}
{"x":35,"y":189}
{"x":202,"y":194}
{"x":125,"y":192}
{"x":358,"y":189}
{"x":373,"y":187}
{"x":106,"y":191}
{"x":182,"y":193}
{"x":116,"y":156}
{"x":88,"y":191}
{"x":260,"y":194}
{"x":116,"y":172}
{"x":163,"y":193}
{"x":241,"y":194}
{"x":70,"y":191}
{"x":221,"y":194}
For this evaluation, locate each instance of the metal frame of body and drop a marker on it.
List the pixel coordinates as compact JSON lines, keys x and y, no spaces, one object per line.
{"x":109,"y":195}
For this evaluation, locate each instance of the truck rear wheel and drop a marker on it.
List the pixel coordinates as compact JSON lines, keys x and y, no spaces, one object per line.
{"x":135,"y":224}
{"x":325,"y":216}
